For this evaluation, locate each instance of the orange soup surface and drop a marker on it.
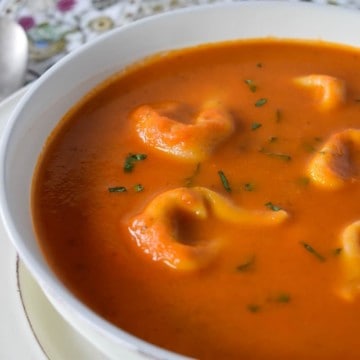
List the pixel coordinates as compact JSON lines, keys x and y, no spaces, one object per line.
{"x":207,"y":201}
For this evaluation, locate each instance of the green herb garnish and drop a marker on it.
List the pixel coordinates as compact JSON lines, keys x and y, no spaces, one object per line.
{"x":131,"y":159}
{"x":273,"y":207}
{"x":247,"y":265}
{"x":278,"y":115}
{"x":117,"y":189}
{"x":190,"y":180}
{"x":138,"y":187}
{"x":312,"y":251}
{"x":273,"y":139}
{"x":251,"y":85}
{"x":280,"y":156}
{"x":249,"y":187}
{"x":261,"y":102}
{"x":337,"y":251}
{"x":282,"y":298}
{"x":254,"y":308}
{"x":224,"y":181}
{"x":255,"y":126}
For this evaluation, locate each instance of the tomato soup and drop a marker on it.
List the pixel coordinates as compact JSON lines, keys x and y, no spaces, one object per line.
{"x":207,"y":200}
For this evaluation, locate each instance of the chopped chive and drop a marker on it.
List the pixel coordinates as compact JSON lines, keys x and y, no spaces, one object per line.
{"x":138,"y":187}
{"x":337,"y":251}
{"x":278,"y":115}
{"x":283,"y":298}
{"x":280,"y":297}
{"x":311,"y":250}
{"x":247,"y":265}
{"x":273,"y":139}
{"x":224,"y":181}
{"x":251,"y":85}
{"x":190,"y":180}
{"x":117,"y":189}
{"x":261,"y":102}
{"x":280,"y":156}
{"x":255,"y":126}
{"x":249,"y":187}
{"x":131,"y":159}
{"x":128,"y":166}
{"x":254,"y":308}
{"x":273,"y":207}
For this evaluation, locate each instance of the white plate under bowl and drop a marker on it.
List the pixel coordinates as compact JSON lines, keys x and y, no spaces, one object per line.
{"x":65,"y":83}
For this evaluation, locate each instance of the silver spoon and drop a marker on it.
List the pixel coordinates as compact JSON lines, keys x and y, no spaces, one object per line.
{"x":13,"y":56}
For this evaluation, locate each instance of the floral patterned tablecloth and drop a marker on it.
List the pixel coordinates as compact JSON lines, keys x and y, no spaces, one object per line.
{"x":56,"y":27}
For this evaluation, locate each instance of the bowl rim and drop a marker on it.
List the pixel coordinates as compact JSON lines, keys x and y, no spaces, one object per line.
{"x":44,"y":275}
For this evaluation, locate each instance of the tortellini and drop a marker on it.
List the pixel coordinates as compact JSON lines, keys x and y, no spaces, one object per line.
{"x":156,"y":229}
{"x":157,"y":127}
{"x":350,"y":261}
{"x":337,"y":163}
{"x":329,"y":91}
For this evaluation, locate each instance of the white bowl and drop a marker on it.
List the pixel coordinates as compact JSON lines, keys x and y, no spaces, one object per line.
{"x":64,"y":84}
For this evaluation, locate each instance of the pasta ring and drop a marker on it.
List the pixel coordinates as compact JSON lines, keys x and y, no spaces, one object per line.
{"x":156,"y":229}
{"x":334,"y":165}
{"x":192,"y":142}
{"x":330,"y":90}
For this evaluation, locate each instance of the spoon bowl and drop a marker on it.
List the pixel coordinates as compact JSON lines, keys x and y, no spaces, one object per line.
{"x":13,"y":56}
